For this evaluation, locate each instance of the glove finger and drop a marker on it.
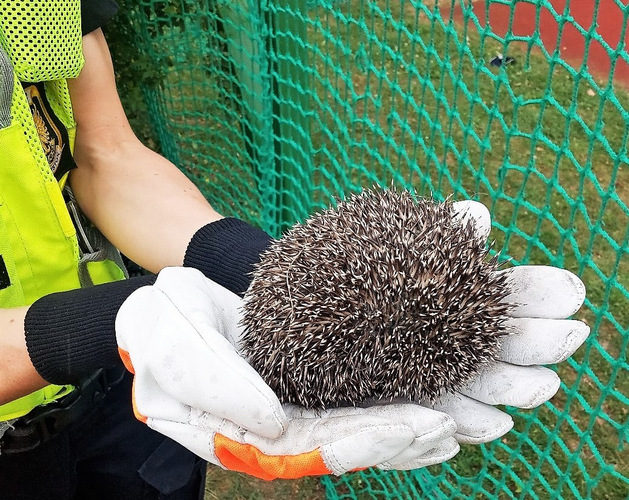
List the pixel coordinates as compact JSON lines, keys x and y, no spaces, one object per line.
{"x":475,"y":212}
{"x":520,"y":386}
{"x":543,"y":292}
{"x":367,"y":447}
{"x":444,"y":451}
{"x":314,"y":447}
{"x":423,"y":420}
{"x":148,"y":400}
{"x":350,"y":438}
{"x":200,"y":369}
{"x":476,"y":422}
{"x":537,"y":341}
{"x":420,"y":447}
{"x":428,"y":425}
{"x":430,"y":428}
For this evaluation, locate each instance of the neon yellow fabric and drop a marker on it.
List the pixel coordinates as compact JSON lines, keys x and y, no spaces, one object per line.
{"x":42,"y":38}
{"x":38,"y":240}
{"x":35,"y":226}
{"x":104,"y":272}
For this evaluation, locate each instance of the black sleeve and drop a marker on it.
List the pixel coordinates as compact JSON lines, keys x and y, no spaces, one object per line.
{"x":69,"y":335}
{"x":96,"y":13}
{"x":226,"y":251}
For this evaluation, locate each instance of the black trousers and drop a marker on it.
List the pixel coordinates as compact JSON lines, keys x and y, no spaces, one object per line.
{"x":108,"y":455}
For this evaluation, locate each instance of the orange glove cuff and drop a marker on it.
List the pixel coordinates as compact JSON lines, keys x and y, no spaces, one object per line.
{"x":126,"y":360}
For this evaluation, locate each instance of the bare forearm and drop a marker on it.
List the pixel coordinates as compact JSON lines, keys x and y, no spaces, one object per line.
{"x":148,"y":209}
{"x":18,"y":376}
{"x":142,"y":203}
{"x":137,"y":198}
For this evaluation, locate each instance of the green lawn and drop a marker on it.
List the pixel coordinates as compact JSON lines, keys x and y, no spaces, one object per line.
{"x":393,"y":95}
{"x":224,"y":485}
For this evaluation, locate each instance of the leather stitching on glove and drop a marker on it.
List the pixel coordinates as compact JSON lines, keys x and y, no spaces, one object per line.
{"x":330,"y":460}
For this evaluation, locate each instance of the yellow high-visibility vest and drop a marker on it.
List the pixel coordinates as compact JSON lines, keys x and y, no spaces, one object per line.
{"x":39,"y":250}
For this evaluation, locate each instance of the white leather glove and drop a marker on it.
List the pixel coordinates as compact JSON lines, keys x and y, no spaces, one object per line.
{"x":544,"y":297}
{"x":190,"y":384}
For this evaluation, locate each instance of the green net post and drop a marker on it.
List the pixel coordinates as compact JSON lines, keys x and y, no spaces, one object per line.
{"x":270,"y":60}
{"x":246,"y":39}
{"x":291,"y":122}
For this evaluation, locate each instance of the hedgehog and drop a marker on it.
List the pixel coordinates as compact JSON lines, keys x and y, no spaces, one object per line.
{"x":382,"y":297}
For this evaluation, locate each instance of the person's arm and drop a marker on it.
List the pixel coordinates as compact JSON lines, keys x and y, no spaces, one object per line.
{"x":61,"y":338}
{"x":137,"y":198}
{"x":147,"y":208}
{"x":18,"y":376}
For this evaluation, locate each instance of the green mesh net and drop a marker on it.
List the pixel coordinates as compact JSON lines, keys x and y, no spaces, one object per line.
{"x":274,"y":107}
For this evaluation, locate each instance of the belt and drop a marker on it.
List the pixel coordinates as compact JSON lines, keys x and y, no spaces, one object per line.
{"x":45,"y":422}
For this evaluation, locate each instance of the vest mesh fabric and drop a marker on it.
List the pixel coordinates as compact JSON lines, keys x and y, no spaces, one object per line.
{"x":42,"y":38}
{"x":59,"y":99}
{"x":21,"y":114}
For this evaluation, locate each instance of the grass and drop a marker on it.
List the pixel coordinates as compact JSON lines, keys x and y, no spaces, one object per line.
{"x":396,"y":94}
{"x":224,"y":485}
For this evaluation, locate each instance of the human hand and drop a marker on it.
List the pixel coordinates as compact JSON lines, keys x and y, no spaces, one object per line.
{"x":179,"y":336}
{"x":543,"y":297}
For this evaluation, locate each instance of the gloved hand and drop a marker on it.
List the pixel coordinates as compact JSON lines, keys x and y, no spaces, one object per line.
{"x":543,"y":297}
{"x":190,"y":384}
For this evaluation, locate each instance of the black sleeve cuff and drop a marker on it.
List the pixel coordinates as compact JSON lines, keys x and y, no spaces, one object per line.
{"x":71,"y":334}
{"x":96,"y":13}
{"x":226,"y":251}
